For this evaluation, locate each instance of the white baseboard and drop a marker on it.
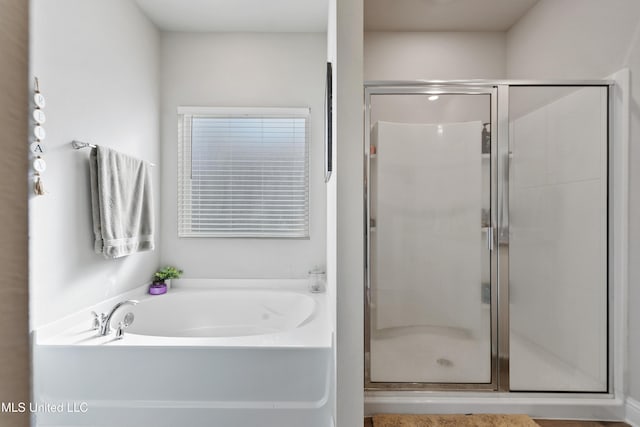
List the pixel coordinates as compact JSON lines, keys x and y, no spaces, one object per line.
{"x":632,"y":412}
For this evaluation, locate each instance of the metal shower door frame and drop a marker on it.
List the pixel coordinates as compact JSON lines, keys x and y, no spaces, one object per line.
{"x":500,"y":152}
{"x":436,"y":88}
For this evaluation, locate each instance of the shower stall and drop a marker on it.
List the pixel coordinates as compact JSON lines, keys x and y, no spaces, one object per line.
{"x":488,"y":236}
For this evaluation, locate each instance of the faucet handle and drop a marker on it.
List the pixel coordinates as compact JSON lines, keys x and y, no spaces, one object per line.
{"x":128,"y":320}
{"x":97,"y":320}
{"x":120,"y":331}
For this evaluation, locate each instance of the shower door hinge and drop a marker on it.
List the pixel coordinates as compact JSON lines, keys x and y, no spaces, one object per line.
{"x":490,"y":238}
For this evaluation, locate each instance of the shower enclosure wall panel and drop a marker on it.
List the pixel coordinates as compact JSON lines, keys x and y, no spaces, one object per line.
{"x":558,"y":217}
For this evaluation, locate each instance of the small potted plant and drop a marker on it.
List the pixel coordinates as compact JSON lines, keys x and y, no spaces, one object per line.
{"x":160,"y":278}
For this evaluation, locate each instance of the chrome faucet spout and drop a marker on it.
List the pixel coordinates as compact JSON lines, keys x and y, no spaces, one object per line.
{"x":105,"y":327}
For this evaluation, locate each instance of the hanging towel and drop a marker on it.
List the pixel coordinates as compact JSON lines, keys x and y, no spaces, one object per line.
{"x":122,"y":203}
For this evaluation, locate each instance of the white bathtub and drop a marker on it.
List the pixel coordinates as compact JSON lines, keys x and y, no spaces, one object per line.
{"x":221,"y":313}
{"x":214,"y":353}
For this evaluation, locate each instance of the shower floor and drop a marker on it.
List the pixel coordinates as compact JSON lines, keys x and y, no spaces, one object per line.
{"x":430,"y":354}
{"x":451,"y":355}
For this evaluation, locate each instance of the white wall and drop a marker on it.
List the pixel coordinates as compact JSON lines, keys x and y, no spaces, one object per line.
{"x":97,"y":61}
{"x":572,"y":39}
{"x":590,"y":39}
{"x":434,"y":55}
{"x":243,"y":70}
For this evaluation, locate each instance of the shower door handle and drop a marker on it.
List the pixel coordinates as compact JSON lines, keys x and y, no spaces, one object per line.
{"x":489,"y":238}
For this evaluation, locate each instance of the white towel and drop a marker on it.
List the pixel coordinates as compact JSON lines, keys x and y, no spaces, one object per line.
{"x":122,"y":203}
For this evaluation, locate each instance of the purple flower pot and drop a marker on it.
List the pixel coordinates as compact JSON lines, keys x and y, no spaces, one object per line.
{"x":158,"y":288}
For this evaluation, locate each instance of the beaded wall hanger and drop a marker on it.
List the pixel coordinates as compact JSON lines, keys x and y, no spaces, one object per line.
{"x":39,"y":134}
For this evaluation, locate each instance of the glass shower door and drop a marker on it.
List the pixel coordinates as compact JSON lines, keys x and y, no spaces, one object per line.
{"x":431,"y":317}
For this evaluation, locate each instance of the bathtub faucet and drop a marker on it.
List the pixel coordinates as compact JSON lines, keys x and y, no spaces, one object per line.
{"x":105,"y":325}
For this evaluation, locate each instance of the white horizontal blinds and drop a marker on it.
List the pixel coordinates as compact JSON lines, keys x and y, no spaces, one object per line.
{"x":248,"y":175}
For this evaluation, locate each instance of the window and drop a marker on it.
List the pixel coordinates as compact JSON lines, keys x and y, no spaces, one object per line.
{"x":243,"y":172}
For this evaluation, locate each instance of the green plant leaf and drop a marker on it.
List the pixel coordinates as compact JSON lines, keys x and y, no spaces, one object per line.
{"x":167,"y":272}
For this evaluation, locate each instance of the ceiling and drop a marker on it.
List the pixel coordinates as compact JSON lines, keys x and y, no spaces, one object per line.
{"x":311,"y":15}
{"x":443,"y":15}
{"x":237,"y":15}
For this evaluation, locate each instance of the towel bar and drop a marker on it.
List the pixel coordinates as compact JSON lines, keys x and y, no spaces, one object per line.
{"x":79,"y":145}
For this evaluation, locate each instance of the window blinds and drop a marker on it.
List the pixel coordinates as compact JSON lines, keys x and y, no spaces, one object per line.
{"x":243,"y":173}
